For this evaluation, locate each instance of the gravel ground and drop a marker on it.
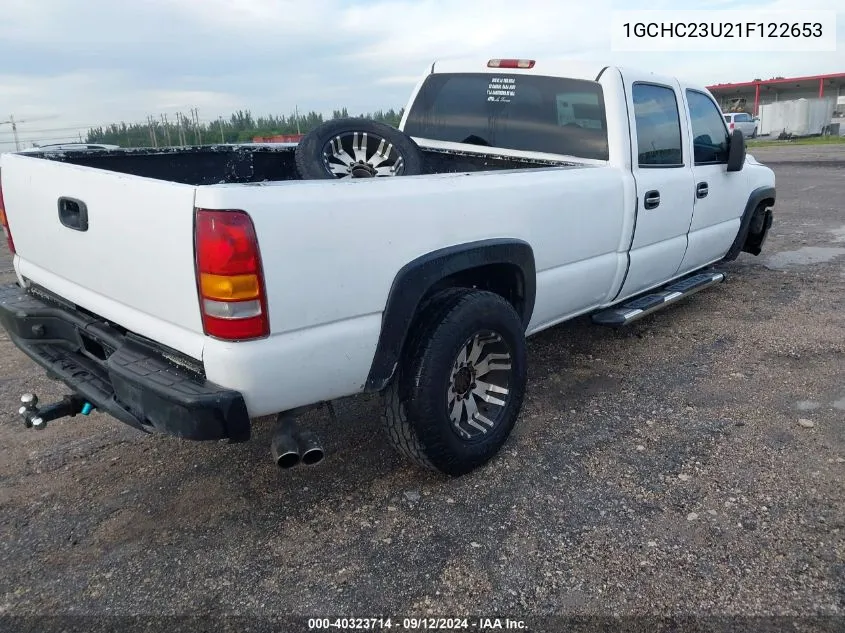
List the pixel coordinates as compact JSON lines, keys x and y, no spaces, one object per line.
{"x":690,"y":464}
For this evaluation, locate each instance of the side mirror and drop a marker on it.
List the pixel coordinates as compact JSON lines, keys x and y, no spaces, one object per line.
{"x":736,"y":151}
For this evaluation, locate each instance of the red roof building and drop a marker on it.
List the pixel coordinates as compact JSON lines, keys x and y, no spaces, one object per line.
{"x":781,"y":89}
{"x":278,"y":138}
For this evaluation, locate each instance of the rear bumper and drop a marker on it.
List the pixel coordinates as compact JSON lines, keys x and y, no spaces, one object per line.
{"x":119,"y":373}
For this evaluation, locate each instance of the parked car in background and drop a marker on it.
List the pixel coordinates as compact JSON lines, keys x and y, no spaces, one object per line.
{"x":743,"y":122}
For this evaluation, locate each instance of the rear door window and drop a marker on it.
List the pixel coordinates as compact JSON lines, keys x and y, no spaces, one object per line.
{"x":522,"y":112}
{"x":658,"y":126}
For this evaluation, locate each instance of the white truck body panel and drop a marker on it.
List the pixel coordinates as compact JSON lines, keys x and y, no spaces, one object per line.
{"x":576,"y":246}
{"x":135,"y":264}
{"x":414,"y":216}
{"x":660,"y":235}
{"x":296,"y":368}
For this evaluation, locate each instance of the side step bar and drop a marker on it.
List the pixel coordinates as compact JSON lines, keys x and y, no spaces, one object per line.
{"x":646,"y":304}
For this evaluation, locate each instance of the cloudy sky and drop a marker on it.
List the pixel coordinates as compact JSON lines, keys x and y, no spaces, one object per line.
{"x":69,"y":64}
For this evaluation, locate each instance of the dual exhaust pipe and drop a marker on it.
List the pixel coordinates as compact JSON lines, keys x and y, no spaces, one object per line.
{"x":291,"y":446}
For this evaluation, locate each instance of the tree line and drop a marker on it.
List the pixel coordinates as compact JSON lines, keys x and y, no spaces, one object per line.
{"x":241,"y":127}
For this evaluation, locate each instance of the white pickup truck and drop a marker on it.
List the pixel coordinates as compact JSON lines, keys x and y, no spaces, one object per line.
{"x":191,"y":290}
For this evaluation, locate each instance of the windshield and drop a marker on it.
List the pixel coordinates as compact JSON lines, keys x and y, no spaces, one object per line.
{"x":521,"y":112}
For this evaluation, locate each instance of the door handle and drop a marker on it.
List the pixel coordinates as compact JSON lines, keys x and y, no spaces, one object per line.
{"x":73,"y":214}
{"x":701,"y":190}
{"x":651,"y":199}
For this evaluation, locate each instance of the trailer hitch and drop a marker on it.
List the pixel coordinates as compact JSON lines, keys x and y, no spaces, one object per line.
{"x":37,"y":418}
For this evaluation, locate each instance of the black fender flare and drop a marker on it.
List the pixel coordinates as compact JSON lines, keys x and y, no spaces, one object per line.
{"x":754,"y":200}
{"x":416,"y":278}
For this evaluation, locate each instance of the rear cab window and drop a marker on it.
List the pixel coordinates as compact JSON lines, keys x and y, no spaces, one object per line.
{"x":521,"y":112}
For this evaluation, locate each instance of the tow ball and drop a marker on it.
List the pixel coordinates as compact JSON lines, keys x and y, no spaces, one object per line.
{"x":37,"y":418}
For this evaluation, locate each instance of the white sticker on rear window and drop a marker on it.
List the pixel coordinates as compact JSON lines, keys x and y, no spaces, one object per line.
{"x":501,"y":89}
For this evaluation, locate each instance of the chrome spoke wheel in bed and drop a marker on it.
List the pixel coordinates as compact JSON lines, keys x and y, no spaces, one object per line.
{"x":479,"y":385}
{"x":357,"y":148}
{"x":362,"y":155}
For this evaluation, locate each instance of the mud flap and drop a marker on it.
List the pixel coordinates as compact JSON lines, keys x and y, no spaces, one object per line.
{"x":758,"y":231}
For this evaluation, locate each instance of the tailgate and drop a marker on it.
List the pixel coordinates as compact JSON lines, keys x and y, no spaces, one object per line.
{"x":133,"y":264}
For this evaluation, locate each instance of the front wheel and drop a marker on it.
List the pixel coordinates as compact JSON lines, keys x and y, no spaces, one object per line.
{"x":459,"y":387}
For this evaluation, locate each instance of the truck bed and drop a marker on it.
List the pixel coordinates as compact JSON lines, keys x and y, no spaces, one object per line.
{"x":224,"y":164}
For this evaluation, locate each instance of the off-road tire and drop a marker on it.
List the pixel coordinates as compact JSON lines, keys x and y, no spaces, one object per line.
{"x":415,"y":415}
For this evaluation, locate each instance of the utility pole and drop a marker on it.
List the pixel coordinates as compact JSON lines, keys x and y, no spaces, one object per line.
{"x":14,"y":125}
{"x":15,"y":131}
{"x":220,"y":121}
{"x":166,"y":129}
{"x":197,"y":134}
{"x":153,"y":138}
{"x":296,"y":114}
{"x":181,"y":118}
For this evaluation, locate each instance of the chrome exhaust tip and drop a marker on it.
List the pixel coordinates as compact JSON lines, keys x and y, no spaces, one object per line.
{"x":310,"y":449}
{"x":284,"y":449}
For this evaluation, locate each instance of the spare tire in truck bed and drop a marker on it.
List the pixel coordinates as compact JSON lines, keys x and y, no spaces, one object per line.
{"x":357,"y":148}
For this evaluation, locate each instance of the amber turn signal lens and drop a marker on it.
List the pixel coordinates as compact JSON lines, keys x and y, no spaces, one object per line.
{"x":229,"y":287}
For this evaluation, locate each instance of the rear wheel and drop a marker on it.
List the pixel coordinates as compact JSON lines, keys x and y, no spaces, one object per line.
{"x":460,"y":385}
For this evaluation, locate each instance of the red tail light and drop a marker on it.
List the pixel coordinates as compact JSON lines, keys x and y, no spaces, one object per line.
{"x":731,"y":126}
{"x":4,"y":222}
{"x":229,"y":276}
{"x":510,"y":63}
